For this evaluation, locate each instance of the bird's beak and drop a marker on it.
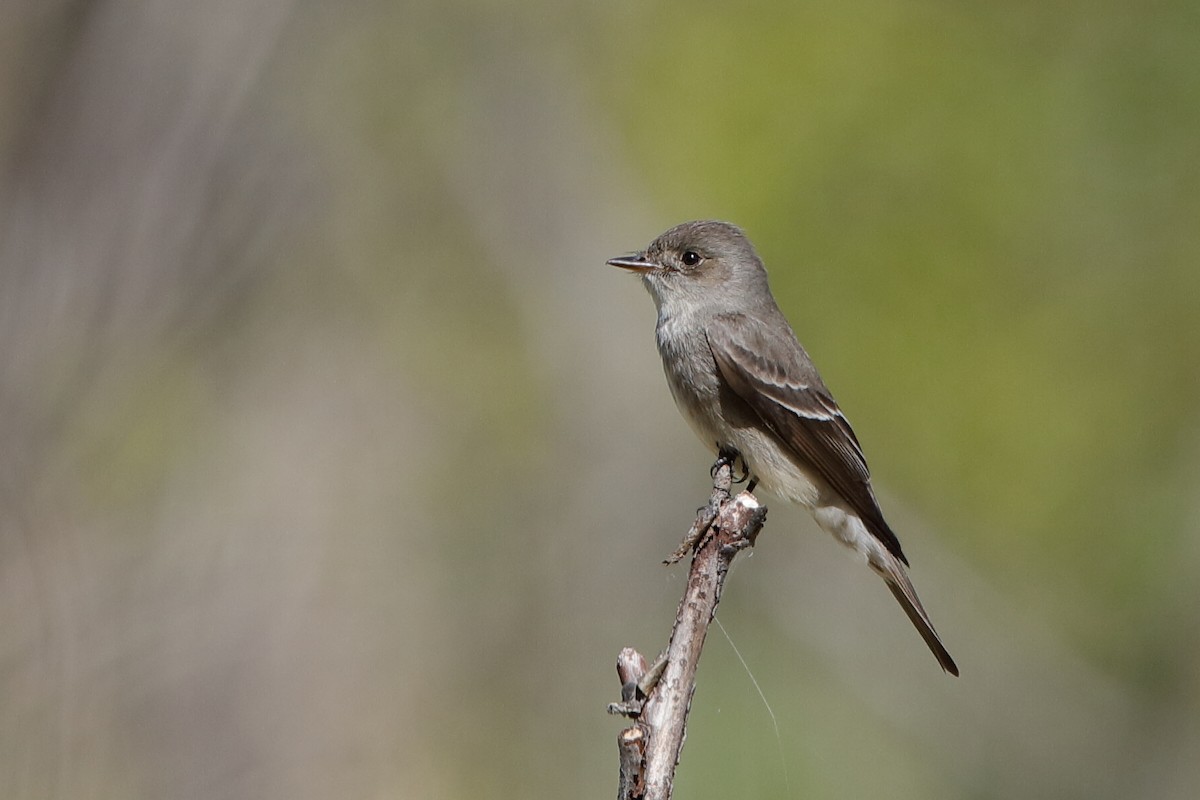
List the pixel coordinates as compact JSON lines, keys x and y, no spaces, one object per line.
{"x":635,"y":263}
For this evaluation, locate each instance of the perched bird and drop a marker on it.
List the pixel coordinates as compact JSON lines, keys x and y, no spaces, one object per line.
{"x":744,"y":383}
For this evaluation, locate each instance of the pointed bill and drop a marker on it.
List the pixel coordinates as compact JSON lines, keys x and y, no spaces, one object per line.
{"x":634,"y":263}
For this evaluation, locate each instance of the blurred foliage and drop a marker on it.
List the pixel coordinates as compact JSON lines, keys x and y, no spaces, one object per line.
{"x":982,"y":222}
{"x":335,"y":462}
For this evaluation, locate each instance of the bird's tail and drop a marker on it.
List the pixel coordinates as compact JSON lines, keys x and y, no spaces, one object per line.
{"x":897,"y":580}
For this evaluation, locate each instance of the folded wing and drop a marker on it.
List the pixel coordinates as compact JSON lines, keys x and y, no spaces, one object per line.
{"x":777,"y":380}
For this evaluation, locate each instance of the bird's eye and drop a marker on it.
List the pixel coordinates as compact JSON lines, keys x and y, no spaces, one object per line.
{"x":690,"y":258}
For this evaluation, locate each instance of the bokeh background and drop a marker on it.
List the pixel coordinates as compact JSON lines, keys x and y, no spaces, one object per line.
{"x":334,"y":462}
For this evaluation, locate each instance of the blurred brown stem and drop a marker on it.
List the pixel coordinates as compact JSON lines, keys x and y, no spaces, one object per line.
{"x":658,"y":697}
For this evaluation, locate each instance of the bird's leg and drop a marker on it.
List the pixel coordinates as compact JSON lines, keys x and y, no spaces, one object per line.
{"x":729,"y":456}
{"x":726,"y":457}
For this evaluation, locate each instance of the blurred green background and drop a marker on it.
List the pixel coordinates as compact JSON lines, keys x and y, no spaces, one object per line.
{"x":334,"y":462}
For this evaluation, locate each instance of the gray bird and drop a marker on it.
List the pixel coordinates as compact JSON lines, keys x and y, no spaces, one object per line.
{"x":744,"y":383}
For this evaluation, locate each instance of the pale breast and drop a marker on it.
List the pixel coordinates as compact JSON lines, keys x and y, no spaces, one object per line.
{"x":722,"y":419}
{"x":692,"y":378}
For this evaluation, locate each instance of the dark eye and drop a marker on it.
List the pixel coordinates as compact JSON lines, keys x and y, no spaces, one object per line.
{"x":690,"y":258}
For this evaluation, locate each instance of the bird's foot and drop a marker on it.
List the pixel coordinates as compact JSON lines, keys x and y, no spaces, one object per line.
{"x":727,"y":457}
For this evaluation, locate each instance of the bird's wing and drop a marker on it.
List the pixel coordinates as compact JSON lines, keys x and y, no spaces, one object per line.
{"x":775,"y":377}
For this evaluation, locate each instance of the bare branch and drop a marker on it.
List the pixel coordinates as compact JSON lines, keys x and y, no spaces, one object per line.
{"x":659,"y":697}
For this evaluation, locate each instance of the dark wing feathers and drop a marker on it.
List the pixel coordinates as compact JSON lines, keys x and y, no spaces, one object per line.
{"x":778,"y":381}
